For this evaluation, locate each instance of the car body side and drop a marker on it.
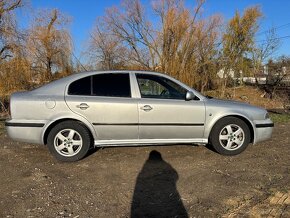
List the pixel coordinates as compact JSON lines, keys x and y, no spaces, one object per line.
{"x":34,"y":113}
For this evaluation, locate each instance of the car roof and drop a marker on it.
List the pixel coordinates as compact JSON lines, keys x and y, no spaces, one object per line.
{"x":57,"y":87}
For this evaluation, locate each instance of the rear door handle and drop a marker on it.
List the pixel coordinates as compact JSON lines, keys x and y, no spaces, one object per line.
{"x":146,"y":108}
{"x":83,"y":106}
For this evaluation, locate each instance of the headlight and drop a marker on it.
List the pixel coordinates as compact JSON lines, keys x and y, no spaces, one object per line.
{"x":267,"y":116}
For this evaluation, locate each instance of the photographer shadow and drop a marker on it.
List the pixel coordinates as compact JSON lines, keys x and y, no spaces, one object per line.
{"x":155,"y":193}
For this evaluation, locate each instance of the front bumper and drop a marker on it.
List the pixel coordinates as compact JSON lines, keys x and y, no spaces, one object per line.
{"x":25,"y":131}
{"x":263,"y":130}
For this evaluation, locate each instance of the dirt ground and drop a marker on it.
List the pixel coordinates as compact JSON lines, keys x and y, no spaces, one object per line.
{"x":157,"y":181}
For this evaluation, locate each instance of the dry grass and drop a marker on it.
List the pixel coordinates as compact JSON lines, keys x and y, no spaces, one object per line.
{"x":2,"y":128}
{"x":250,"y":95}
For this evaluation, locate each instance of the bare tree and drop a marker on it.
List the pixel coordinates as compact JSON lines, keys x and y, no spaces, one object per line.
{"x":106,"y":50}
{"x":263,"y":51}
{"x":278,"y":70}
{"x":7,"y":27}
{"x":207,"y":52}
{"x":9,"y":46}
{"x":180,"y":43}
{"x":49,"y":43}
{"x":238,"y":41}
{"x":133,"y":29}
{"x":12,"y":66}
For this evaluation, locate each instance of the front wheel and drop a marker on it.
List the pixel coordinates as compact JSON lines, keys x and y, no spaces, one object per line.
{"x":69,"y":141}
{"x":230,"y":136}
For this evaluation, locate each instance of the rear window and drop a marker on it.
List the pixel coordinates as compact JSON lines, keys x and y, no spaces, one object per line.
{"x":109,"y":85}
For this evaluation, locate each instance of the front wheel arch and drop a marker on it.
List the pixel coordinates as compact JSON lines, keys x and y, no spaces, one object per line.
{"x":251,"y":128}
{"x":230,"y":136}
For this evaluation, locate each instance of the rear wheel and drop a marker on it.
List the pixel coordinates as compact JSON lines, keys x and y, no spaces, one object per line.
{"x":230,"y":136}
{"x":69,"y":141}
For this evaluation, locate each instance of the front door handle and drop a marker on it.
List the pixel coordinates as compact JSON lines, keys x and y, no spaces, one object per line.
{"x":146,"y":108}
{"x":83,"y":106}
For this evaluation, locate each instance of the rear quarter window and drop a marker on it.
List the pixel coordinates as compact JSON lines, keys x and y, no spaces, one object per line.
{"x":80,"y":87}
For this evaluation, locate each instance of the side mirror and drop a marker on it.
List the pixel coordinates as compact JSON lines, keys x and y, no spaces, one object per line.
{"x":189,"y":96}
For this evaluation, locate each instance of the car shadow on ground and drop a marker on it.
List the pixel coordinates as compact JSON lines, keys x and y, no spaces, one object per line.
{"x":96,"y":149}
{"x":92,"y":150}
{"x":211,"y":148}
{"x":155,"y":193}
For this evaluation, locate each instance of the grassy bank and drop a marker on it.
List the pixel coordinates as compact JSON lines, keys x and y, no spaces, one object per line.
{"x":251,"y":95}
{"x":280,"y":118}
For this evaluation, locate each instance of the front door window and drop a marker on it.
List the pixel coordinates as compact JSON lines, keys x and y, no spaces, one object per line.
{"x":152,"y":86}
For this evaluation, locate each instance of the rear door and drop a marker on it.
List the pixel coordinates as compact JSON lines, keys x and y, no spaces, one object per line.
{"x":163,"y":111}
{"x":105,"y":101}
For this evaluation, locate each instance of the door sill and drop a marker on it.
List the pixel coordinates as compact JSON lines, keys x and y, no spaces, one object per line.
{"x":132,"y":142}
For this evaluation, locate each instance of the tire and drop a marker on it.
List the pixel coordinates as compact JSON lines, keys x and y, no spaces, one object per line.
{"x":230,"y":136}
{"x":69,"y":141}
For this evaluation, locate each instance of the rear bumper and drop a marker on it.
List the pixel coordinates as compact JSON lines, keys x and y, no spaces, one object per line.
{"x":263,"y":131}
{"x":25,"y":131}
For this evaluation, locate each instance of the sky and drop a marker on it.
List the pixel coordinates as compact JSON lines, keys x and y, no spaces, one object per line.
{"x":84,"y":14}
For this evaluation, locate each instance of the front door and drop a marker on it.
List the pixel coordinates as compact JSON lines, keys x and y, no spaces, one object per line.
{"x":105,"y":101}
{"x":164,"y":113}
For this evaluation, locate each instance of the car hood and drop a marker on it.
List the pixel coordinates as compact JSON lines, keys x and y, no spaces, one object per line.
{"x":231,"y":103}
{"x":238,"y":107}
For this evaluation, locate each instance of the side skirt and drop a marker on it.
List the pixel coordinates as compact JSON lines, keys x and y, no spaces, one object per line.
{"x":134,"y":142}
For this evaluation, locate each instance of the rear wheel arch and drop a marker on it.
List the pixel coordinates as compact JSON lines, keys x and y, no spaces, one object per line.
{"x":69,"y":141}
{"x":56,"y":122}
{"x":249,"y":124}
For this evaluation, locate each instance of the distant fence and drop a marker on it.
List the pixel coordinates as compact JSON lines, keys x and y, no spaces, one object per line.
{"x":253,"y":80}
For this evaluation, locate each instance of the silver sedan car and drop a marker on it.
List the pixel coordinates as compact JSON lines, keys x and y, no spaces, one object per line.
{"x":122,"y":108}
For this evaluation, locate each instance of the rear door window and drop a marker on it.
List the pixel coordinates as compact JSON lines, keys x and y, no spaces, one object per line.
{"x":112,"y":85}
